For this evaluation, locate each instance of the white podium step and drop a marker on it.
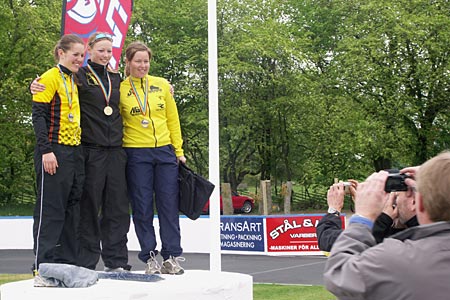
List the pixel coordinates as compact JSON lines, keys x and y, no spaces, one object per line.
{"x":192,"y":285}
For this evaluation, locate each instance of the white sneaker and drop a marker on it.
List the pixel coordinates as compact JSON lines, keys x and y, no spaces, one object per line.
{"x":43,"y":282}
{"x":172,"y":265}
{"x":153,"y":266}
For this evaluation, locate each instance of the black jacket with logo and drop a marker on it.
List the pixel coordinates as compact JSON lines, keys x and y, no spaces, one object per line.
{"x":98,"y":129}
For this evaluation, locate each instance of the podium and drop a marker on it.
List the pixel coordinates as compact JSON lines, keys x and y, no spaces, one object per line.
{"x":192,"y":285}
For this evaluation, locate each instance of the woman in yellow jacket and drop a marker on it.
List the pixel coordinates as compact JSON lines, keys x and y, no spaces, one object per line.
{"x":58,"y":157}
{"x":153,"y":143}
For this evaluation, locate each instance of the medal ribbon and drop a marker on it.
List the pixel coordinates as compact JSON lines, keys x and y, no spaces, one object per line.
{"x":69,"y":96}
{"x":143,"y":106}
{"x":99,"y":81}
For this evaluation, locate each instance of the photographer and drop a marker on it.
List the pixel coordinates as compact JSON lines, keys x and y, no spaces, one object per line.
{"x":398,"y":214}
{"x":409,"y":265}
{"x":330,"y":226}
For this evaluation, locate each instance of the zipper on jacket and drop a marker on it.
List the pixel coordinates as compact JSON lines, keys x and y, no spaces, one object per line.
{"x":150,"y":113}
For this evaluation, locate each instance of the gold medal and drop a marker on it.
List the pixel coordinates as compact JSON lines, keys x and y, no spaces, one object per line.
{"x":108,"y":110}
{"x":70,"y":117}
{"x":144,"y":123}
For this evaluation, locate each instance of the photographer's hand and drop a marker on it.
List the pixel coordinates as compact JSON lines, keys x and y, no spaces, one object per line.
{"x":390,"y":207}
{"x":335,"y":196}
{"x":411,"y":171}
{"x":353,"y":188}
{"x":370,"y":196}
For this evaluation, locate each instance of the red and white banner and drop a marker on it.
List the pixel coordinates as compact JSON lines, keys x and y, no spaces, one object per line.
{"x":84,"y":17}
{"x":293,"y":233}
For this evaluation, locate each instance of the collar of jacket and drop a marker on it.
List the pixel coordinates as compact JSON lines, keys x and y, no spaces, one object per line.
{"x":65,"y":70}
{"x":423,"y":231}
{"x":98,"y":68}
{"x":138,"y":80}
{"x":412,"y":222}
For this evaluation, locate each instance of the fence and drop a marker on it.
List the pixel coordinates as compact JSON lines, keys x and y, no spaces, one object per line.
{"x":305,"y":199}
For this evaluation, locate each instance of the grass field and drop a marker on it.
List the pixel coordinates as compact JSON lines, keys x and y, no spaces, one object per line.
{"x":290,"y":292}
{"x":4,"y":278}
{"x":260,"y":291}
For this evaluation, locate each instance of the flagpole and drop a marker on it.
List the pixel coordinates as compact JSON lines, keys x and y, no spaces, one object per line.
{"x":214,"y":173}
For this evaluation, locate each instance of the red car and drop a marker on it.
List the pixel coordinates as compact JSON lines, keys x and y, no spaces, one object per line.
{"x":241,"y":204}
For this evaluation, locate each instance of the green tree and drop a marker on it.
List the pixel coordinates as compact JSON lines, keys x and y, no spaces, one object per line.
{"x":393,"y":61}
{"x":25,"y":50}
{"x":259,"y":63}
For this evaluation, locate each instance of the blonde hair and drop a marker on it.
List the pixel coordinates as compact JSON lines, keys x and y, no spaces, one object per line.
{"x":131,"y":51}
{"x":433,"y":183}
{"x":65,"y":43}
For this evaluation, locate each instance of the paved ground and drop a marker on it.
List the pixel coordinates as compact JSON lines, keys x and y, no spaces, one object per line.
{"x":264,"y":269}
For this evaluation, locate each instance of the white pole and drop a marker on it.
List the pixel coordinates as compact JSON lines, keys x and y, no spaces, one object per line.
{"x":215,"y":264}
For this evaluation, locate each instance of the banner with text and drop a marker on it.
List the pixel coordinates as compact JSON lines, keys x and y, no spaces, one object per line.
{"x":242,"y":233}
{"x":293,"y":233}
{"x":83,"y":18}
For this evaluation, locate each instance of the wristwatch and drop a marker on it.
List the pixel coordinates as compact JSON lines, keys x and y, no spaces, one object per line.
{"x":334,"y":211}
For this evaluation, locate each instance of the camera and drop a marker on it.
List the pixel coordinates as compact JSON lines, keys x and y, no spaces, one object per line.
{"x":396,"y":183}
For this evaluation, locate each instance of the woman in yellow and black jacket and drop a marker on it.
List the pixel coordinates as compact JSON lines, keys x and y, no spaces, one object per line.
{"x":58,"y":157}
